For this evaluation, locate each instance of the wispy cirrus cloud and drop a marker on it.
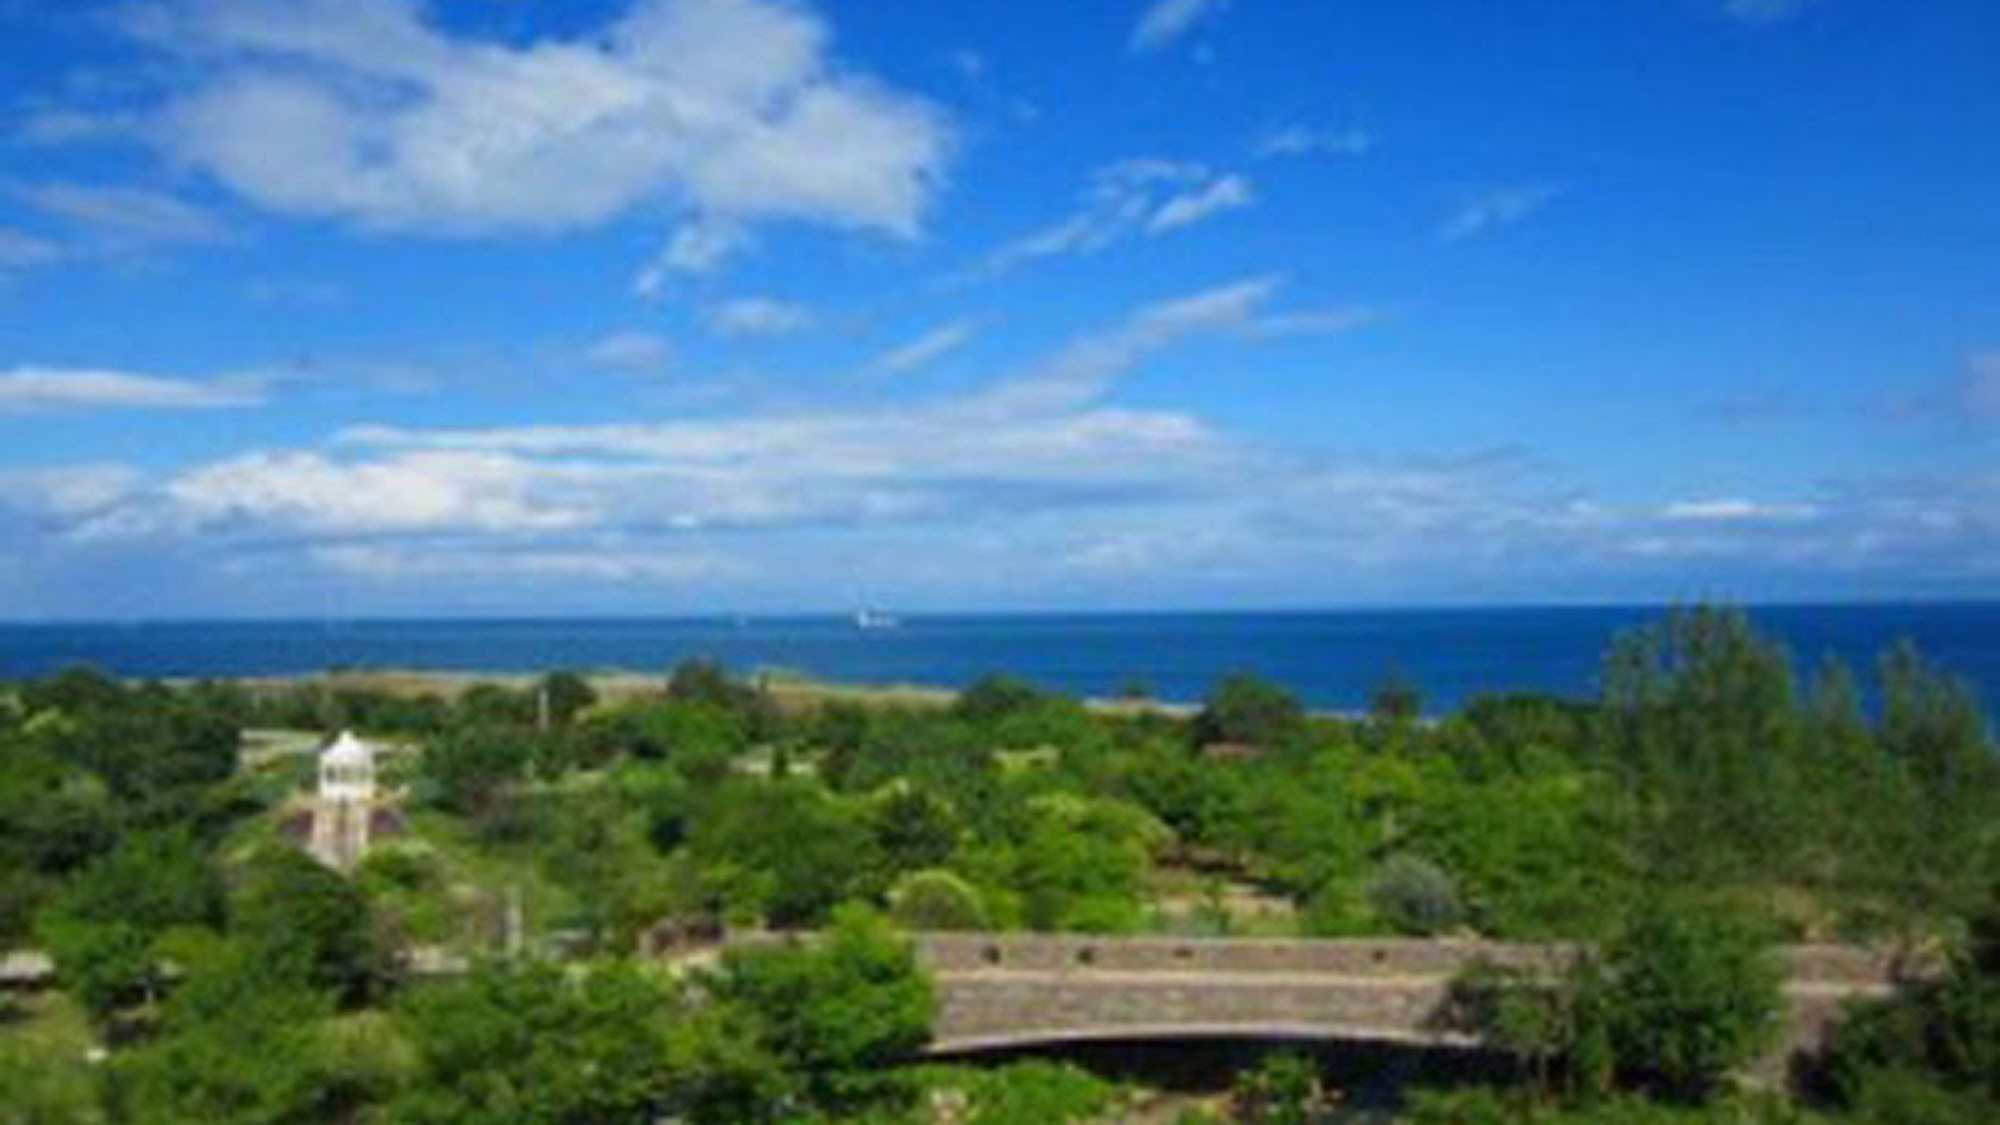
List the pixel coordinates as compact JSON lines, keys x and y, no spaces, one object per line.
{"x":1498,"y":208}
{"x":926,"y":349}
{"x":122,"y":218}
{"x":631,"y":350}
{"x":1038,"y":441}
{"x":1228,"y":193}
{"x":30,"y":388}
{"x":1165,"y":22}
{"x":1306,"y":140}
{"x":758,"y":316}
{"x":725,"y":113}
{"x":1136,"y":198}
{"x":1735,"y":509}
{"x":1041,"y":473}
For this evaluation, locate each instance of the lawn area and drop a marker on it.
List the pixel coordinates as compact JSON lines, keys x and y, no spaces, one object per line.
{"x":457,"y":893}
{"x":45,"y":1074}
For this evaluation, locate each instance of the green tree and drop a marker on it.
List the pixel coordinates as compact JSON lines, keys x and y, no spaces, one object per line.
{"x":536,"y":1045}
{"x":1933,"y":730}
{"x":239,"y":1043}
{"x":913,"y":828}
{"x":691,"y":733}
{"x":802,"y":849}
{"x":1700,"y":722}
{"x":472,"y":766}
{"x":1935,"y":1045}
{"x":290,"y":909}
{"x":102,"y":927}
{"x":565,"y":695}
{"x":596,"y":846}
{"x":1077,"y":864}
{"x":54,"y":817}
{"x":838,"y":1010}
{"x":1537,"y":852}
{"x":1250,"y":710}
{"x":1693,"y":994}
{"x":73,"y":690}
{"x":992,"y":698}
{"x":492,"y":705}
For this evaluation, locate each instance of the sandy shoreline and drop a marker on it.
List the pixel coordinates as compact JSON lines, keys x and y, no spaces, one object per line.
{"x":790,"y":689}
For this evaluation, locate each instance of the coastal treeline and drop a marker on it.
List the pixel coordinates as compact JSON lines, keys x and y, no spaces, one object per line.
{"x":579,"y":852}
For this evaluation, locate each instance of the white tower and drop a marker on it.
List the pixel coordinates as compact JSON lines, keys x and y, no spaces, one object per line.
{"x":347,"y":770}
{"x":346,"y":801}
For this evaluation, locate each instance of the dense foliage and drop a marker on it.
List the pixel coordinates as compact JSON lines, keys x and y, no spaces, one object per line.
{"x":1703,"y":808}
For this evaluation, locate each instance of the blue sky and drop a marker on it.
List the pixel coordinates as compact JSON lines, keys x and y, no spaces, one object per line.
{"x":678,"y":306}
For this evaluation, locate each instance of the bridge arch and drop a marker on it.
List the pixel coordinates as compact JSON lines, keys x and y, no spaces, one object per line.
{"x":1031,"y":1038}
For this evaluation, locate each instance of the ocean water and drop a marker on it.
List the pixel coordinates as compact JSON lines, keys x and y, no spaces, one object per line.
{"x":1332,"y":659}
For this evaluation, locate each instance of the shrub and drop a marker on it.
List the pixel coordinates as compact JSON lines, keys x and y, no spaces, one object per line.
{"x":994,"y":697}
{"x":1283,"y":1089}
{"x":1032,"y":1092}
{"x":1416,"y":896}
{"x":936,"y":900}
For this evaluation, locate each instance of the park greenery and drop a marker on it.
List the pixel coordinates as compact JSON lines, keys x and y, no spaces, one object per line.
{"x":576,"y":848}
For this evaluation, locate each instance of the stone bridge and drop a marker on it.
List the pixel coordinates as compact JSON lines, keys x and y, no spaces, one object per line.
{"x":999,"y":991}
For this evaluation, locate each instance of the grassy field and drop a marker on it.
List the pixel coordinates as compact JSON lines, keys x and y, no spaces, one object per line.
{"x":46,"y":1068}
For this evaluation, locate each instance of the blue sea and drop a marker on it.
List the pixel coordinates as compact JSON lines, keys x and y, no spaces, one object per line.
{"x":1332,"y":659}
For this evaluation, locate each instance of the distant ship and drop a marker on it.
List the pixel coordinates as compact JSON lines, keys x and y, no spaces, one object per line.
{"x":869,"y":619}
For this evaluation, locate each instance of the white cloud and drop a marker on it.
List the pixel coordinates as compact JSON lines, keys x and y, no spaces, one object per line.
{"x":1305,"y":140}
{"x":1230,"y":193}
{"x":1036,"y":442}
{"x":758,"y":316}
{"x":729,"y":112}
{"x":126,"y":217}
{"x":633,"y":350}
{"x":1035,"y":470}
{"x":1501,"y":207}
{"x":1129,"y":199}
{"x":1085,"y":368}
{"x":1734,"y":510}
{"x":55,"y":388}
{"x":925,"y":349}
{"x":1330,"y":321}
{"x":66,"y":493}
{"x":697,"y":248}
{"x":1166,"y":21}
{"x":422,"y":491}
{"x":610,"y":561}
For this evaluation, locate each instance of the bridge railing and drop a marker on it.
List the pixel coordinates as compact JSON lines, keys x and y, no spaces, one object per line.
{"x":1364,"y":958}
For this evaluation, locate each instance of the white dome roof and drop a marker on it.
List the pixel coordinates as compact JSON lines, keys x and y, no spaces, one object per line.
{"x":348,"y":750}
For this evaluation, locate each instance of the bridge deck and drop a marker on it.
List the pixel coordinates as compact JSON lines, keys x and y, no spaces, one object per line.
{"x":1008,"y":990}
